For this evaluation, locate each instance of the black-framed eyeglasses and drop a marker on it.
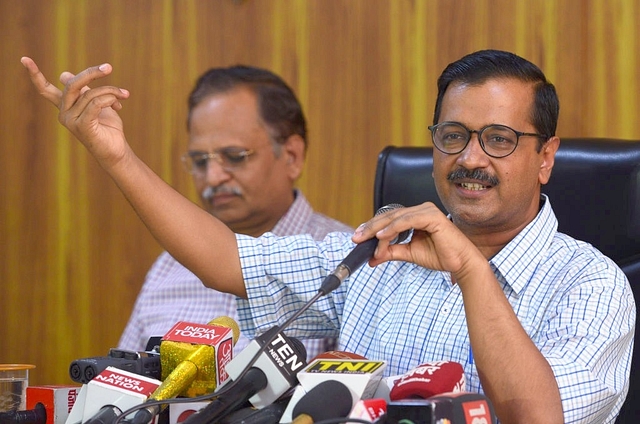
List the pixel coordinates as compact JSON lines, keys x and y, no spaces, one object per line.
{"x":229,"y":158}
{"x":496,"y":140}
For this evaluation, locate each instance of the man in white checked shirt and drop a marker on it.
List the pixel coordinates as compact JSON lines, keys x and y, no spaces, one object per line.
{"x":247,"y":143}
{"x":542,"y":323}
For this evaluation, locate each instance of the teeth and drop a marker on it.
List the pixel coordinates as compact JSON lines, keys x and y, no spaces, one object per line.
{"x":473,"y":186}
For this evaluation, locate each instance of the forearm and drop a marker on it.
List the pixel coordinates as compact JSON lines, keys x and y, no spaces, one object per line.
{"x":513,"y":372}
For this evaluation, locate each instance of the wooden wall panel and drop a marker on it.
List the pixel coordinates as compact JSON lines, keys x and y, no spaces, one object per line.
{"x":74,"y":254}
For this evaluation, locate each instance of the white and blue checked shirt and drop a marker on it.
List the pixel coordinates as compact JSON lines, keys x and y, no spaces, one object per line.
{"x":574,"y":303}
{"x":171,"y":293}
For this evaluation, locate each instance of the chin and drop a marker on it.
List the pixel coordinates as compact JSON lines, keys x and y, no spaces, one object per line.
{"x":470,"y":216}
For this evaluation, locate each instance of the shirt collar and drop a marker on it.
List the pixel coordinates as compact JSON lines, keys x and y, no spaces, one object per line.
{"x":294,"y":221}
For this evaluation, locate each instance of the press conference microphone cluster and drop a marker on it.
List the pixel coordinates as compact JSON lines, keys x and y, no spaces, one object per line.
{"x":359,"y":255}
{"x":260,"y":379}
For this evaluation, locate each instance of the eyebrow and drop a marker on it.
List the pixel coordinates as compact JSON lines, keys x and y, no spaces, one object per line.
{"x":220,"y":149}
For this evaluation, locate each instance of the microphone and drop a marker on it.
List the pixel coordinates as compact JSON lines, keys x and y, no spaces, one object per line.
{"x":271,"y":375}
{"x":360,"y":376}
{"x":458,"y":408}
{"x":108,"y":394}
{"x":359,"y":255}
{"x":369,"y":409}
{"x":193,"y":358}
{"x":328,"y":400}
{"x":429,"y":379}
{"x":57,"y":401}
{"x":37,"y":415}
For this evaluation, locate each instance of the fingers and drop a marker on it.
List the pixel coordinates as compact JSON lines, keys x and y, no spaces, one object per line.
{"x":75,"y":84}
{"x":386,"y":226}
{"x":67,"y":76}
{"x":76,"y":87}
{"x":423,"y":219}
{"x":44,"y":87}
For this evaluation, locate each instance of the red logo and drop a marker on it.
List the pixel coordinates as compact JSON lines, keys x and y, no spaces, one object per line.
{"x":476,"y":412}
{"x":225,"y":354}
{"x":193,"y":333}
{"x":113,"y":378}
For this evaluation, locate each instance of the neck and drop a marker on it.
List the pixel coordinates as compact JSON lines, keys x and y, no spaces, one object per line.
{"x":491,"y":243}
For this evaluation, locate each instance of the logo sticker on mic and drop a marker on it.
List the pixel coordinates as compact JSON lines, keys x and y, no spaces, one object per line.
{"x":113,"y":386}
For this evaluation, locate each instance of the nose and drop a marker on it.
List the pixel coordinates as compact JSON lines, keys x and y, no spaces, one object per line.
{"x":215,"y":174}
{"x":473,"y":156}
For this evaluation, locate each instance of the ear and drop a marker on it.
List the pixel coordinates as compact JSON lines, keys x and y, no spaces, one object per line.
{"x":548,"y":159}
{"x":294,"y":151}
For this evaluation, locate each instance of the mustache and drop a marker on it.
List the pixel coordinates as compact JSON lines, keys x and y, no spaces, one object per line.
{"x":475,"y":174}
{"x":210,"y":191}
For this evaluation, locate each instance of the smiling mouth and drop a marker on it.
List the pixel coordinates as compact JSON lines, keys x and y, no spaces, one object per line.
{"x":472,"y":180}
{"x":473,"y":186}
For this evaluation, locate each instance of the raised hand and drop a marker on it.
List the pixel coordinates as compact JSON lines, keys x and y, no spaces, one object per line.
{"x":89,"y":113}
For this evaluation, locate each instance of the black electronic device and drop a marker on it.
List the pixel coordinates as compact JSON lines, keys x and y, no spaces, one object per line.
{"x":143,"y":363}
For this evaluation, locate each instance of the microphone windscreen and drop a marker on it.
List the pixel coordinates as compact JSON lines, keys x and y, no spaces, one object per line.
{"x":428,"y":380}
{"x":225,"y":321}
{"x":388,"y":208}
{"x":329,"y":399}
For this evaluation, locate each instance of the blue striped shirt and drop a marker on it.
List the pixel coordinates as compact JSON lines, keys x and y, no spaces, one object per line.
{"x":574,"y":302}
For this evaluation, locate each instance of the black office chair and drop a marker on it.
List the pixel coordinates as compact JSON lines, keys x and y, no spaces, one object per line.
{"x":595,"y":193}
